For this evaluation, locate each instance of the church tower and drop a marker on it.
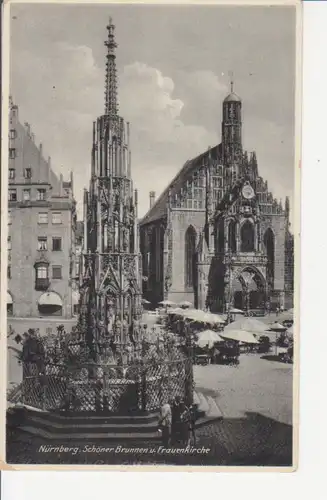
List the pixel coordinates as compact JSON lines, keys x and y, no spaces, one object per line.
{"x":232,"y":134}
{"x":111,"y":284}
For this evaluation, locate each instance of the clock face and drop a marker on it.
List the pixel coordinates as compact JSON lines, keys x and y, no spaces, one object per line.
{"x":248,"y":192}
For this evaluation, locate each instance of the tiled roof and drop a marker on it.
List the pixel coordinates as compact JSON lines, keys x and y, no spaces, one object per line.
{"x":159,"y":209}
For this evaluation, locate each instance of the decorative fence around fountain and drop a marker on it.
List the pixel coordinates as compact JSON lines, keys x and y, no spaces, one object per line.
{"x":68,"y":383}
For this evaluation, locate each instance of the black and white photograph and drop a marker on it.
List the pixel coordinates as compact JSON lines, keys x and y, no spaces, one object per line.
{"x":151,"y":234}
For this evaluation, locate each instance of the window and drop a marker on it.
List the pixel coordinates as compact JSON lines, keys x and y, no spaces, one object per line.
{"x":190,"y":262}
{"x":42,"y":218}
{"x":56,"y":272}
{"x":56,"y":244}
{"x":9,"y":242}
{"x":247,"y":237}
{"x":9,"y":217}
{"x":26,"y":194}
{"x":12,"y":153}
{"x":56,"y":218}
{"x":12,"y":195}
{"x":8,"y":272}
{"x":232,"y":236}
{"x":41,"y":194}
{"x":42,"y":272}
{"x":11,"y":173}
{"x":12,"y":134}
{"x":269,"y":243}
{"x":28,"y":173}
{"x":42,"y":243}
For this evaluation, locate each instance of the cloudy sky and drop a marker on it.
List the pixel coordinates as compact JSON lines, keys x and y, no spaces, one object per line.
{"x":173,"y":64}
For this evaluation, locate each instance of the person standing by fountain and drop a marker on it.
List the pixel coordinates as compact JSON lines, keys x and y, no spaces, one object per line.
{"x":165,"y":424}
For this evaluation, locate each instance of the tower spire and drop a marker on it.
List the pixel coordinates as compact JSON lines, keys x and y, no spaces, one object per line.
{"x":111,"y":105}
{"x":231,"y":76}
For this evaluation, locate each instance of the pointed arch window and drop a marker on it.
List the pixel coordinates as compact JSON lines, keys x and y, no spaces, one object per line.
{"x":220,"y":237}
{"x":247,"y":237}
{"x":232,"y":236}
{"x":269,"y":242}
{"x":190,"y":242}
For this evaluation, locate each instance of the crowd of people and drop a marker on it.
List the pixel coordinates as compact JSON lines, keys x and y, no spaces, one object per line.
{"x":177,"y":423}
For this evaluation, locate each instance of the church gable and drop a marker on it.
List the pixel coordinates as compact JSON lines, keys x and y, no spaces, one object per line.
{"x":187,"y":189}
{"x":249,"y":197}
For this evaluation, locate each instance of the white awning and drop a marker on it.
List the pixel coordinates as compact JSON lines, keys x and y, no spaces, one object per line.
{"x":50,"y":299}
{"x":75,"y":297}
{"x":9,"y":298}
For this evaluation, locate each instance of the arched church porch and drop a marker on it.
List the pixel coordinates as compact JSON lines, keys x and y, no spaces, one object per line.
{"x":248,"y":290}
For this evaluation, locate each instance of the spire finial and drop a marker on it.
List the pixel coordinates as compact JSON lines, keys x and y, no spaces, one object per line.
{"x":231,"y":76}
{"x":111,"y":106}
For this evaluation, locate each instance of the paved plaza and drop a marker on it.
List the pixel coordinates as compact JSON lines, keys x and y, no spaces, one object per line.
{"x":255,"y":385}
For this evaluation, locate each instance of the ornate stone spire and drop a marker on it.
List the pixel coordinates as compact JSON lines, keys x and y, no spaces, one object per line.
{"x":111,"y":105}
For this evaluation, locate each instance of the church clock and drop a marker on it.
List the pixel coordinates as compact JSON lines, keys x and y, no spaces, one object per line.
{"x":248,"y":192}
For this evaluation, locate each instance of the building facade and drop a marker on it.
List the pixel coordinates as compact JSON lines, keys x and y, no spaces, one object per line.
{"x":41,"y":232}
{"x":217,"y":237}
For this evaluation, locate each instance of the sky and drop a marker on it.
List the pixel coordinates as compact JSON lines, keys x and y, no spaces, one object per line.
{"x":173,"y":66}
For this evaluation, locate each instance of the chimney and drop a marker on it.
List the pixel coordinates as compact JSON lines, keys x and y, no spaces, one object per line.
{"x":152,"y":198}
{"x":28,"y":128}
{"x":72,"y":182}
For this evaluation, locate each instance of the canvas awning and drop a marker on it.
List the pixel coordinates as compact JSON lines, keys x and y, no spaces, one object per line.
{"x":50,"y":299}
{"x":9,"y":298}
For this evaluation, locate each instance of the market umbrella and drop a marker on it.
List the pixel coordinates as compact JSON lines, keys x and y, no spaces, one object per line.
{"x":240,"y":336}
{"x":166,"y":303}
{"x":144,"y":302}
{"x":277,"y":327}
{"x":248,"y":324}
{"x":185,"y":304}
{"x":208,"y":338}
{"x":236,"y":311}
{"x":194,"y":314}
{"x":213,"y":319}
{"x":177,"y":311}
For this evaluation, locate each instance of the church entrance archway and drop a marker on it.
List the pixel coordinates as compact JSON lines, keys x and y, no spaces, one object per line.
{"x":249,"y":290}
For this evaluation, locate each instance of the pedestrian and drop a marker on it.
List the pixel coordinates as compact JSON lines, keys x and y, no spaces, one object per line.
{"x":165,"y":422}
{"x":193,"y":417}
{"x":277,"y":310}
{"x":184,"y":424}
{"x":176,"y":423}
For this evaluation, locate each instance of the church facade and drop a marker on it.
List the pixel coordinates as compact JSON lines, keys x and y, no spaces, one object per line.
{"x":216,"y":236}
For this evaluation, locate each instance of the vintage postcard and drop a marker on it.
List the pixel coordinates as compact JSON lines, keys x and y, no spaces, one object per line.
{"x":149,"y":233}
